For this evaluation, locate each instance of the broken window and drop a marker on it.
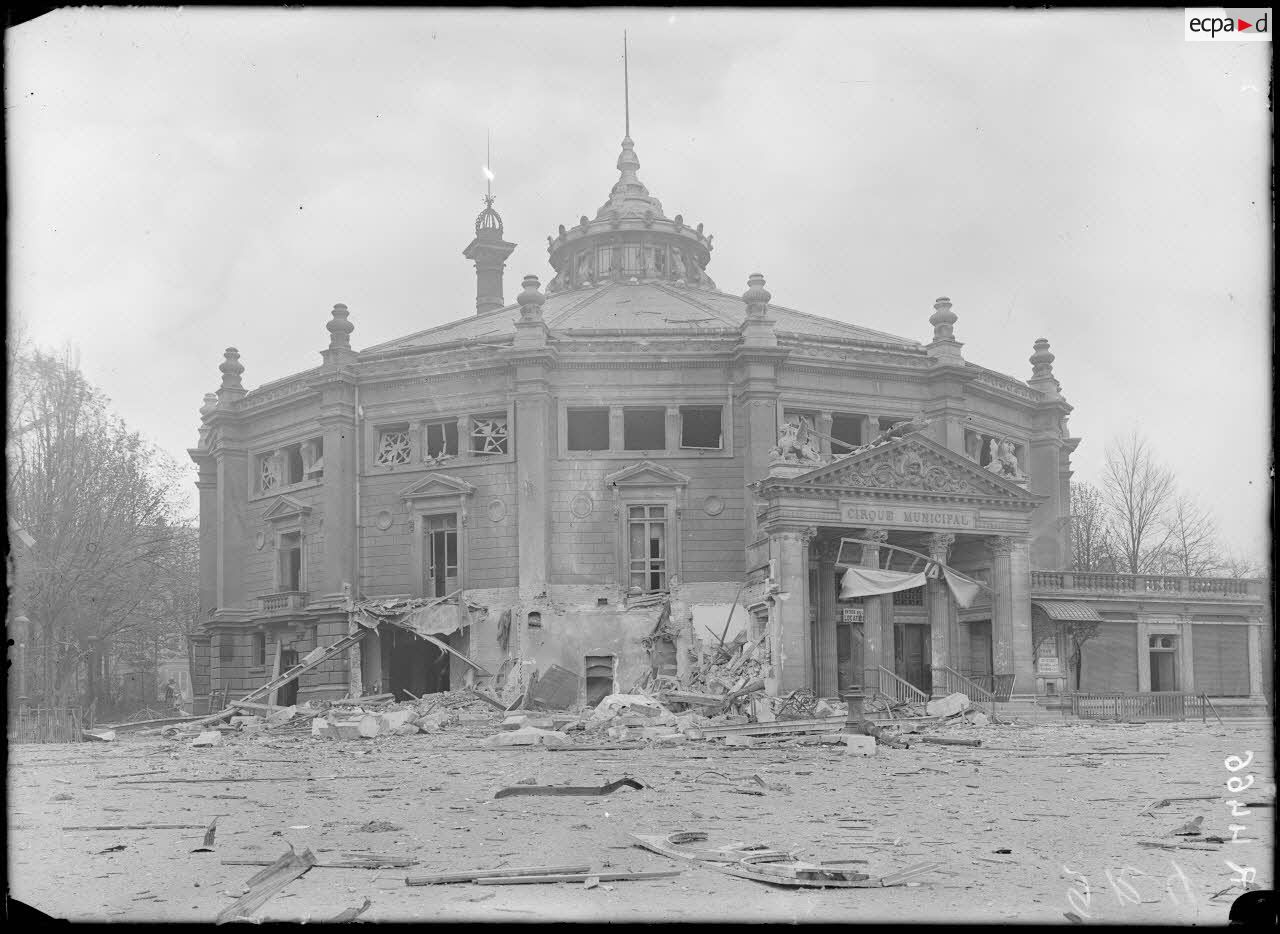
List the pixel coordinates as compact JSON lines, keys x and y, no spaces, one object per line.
{"x":268,"y":472}
{"x":489,"y":434}
{"x":588,"y":429}
{"x":290,"y":556}
{"x":599,"y":678}
{"x":644,"y":429}
{"x":312,"y":454}
{"x":647,"y":526}
{"x":441,"y":552}
{"x":259,"y":649}
{"x":394,"y":446}
{"x":700,"y":427}
{"x":442,"y":438}
{"x":845,"y":428}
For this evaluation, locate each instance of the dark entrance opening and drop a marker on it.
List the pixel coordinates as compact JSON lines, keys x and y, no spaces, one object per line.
{"x":412,"y":665}
{"x":288,"y":695}
{"x":599,"y":670}
{"x":911,"y":655}
{"x":979,"y":667}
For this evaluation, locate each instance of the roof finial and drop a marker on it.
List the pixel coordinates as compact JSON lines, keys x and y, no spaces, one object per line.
{"x":488,"y":172}
{"x":626,"y":85}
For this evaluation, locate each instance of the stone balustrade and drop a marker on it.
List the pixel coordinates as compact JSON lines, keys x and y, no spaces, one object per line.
{"x":284,"y":601}
{"x":1160,"y":584}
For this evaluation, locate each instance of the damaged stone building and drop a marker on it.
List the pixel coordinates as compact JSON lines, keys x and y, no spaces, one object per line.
{"x":615,"y":470}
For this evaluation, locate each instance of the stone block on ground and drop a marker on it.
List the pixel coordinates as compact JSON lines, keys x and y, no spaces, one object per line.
{"x":947,"y":706}
{"x":211,"y":738}
{"x":740,"y":741}
{"x":977,"y":718}
{"x":392,"y":720}
{"x":859,"y":745}
{"x":528,"y":736}
{"x":370,"y":726}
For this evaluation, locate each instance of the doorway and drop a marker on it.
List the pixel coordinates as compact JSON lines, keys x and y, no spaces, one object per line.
{"x":287,"y":696}
{"x":912,"y":655}
{"x":411,"y":664}
{"x":1164,"y":663}
{"x":978,"y":665}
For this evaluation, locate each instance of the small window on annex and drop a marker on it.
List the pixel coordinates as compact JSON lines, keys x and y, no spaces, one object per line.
{"x":442,"y":438}
{"x":848,"y":429}
{"x":394,"y":446}
{"x":644,"y":429}
{"x":259,"y":649}
{"x":588,"y":429}
{"x":700,"y":427}
{"x":489,"y":434}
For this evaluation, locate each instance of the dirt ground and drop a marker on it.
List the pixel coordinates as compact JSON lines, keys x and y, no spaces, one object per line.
{"x":1057,"y":798}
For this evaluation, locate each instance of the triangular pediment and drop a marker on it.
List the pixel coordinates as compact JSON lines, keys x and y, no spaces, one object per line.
{"x":438,"y":484}
{"x":286,"y":507}
{"x":914,"y":464}
{"x":646,"y":473}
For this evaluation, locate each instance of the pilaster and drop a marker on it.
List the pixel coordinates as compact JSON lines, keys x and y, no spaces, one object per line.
{"x":790,"y":548}
{"x":826,"y":681}
{"x":873,"y":644}
{"x":940,"y":610}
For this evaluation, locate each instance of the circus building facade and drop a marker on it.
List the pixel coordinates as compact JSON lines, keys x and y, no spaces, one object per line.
{"x":626,"y":464}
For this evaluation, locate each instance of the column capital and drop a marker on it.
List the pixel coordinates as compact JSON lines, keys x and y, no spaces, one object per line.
{"x":1002,"y":545}
{"x":879,"y":536}
{"x":939,"y":544}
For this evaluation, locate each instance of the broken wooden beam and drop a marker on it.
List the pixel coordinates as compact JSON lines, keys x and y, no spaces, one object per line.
{"x":137,"y":827}
{"x":950,"y":741}
{"x":474,"y":875}
{"x":265,"y":884}
{"x":491,"y":701}
{"x":610,"y":788}
{"x":338,"y":864}
{"x":581,"y":877}
{"x":818,"y":725}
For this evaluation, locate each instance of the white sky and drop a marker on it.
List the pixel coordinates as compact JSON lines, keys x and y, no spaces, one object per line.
{"x":183,"y":181}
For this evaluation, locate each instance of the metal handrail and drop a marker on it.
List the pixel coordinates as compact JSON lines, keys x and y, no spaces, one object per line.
{"x":899,"y":689}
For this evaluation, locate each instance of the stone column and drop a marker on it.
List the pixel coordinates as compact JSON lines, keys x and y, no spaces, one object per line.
{"x":1024,"y":666}
{"x":940,"y":613}
{"x":1186,"y":666}
{"x":874,"y":614}
{"x":1002,"y":604}
{"x":1142,"y":631}
{"x":1256,"y":661}
{"x":827,"y":673}
{"x":790,"y":547}
{"x":824,"y":426}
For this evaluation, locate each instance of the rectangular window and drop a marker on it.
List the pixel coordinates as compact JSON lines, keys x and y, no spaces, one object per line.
{"x":269,"y":473}
{"x":442,"y":438}
{"x":441,"y":552}
{"x":394,"y":446}
{"x":293,"y":472}
{"x":604,"y":262}
{"x":291,"y":561}
{"x":312,"y":453}
{"x":912,"y":597}
{"x":644,"y":429}
{"x":847,"y":429}
{"x":648,"y":547}
{"x":489,"y":434}
{"x":226,"y":649}
{"x":700,"y":427}
{"x":631,"y":262}
{"x":588,"y":429}
{"x":259,"y":649}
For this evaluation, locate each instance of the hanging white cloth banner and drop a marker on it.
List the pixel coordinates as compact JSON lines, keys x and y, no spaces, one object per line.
{"x":871,"y":582}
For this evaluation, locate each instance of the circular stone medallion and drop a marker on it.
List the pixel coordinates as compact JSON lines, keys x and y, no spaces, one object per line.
{"x":713,"y":505}
{"x":497,"y":510}
{"x":384,"y":520}
{"x":581,"y":505}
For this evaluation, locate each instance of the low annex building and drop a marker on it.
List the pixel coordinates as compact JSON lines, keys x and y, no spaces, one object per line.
{"x":602,"y":475}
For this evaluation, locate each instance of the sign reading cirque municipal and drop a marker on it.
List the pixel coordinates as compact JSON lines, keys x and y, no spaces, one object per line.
{"x":907,"y":516}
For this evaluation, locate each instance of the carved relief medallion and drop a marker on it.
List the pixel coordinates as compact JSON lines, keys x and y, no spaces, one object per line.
{"x":497,"y":510}
{"x":581,"y":505}
{"x":713,"y":505}
{"x":384,"y":520}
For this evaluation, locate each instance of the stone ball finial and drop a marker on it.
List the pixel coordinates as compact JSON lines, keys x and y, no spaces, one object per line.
{"x":231,"y":368}
{"x":679,"y":222}
{"x":943,"y":319}
{"x":1041,"y":360}
{"x":340,"y":328}
{"x":530,"y":300}
{"x":756,"y":296}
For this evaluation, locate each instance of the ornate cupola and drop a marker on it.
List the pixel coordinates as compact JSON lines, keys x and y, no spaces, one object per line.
{"x":630,"y":238}
{"x":489,"y":252}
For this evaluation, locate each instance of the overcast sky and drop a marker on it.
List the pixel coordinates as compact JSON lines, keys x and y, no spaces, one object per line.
{"x":183,"y":181}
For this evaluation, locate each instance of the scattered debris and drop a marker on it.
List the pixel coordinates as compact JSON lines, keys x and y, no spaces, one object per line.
{"x":528,"y":736}
{"x":473,"y":875}
{"x":263,"y":885}
{"x":138,"y":827}
{"x":522,"y":789}
{"x":787,"y":870}
{"x":106,"y":736}
{"x":1189,"y":829}
{"x":207,"y":845}
{"x":379,"y":826}
{"x":947,"y":706}
{"x":111,"y":849}
{"x":349,"y":914}
{"x":210,"y":738}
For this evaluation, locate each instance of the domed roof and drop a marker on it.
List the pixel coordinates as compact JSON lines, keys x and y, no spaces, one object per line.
{"x":489,"y":221}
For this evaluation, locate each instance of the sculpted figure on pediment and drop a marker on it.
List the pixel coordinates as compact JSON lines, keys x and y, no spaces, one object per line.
{"x":796,"y":444}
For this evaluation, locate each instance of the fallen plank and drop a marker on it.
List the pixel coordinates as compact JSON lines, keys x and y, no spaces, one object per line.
{"x":610,"y":788}
{"x":143,"y":724}
{"x":689,"y":697}
{"x":797,"y":874}
{"x":581,"y":877}
{"x":137,"y":827}
{"x":491,"y":701}
{"x":267,"y":883}
{"x":209,"y":834}
{"x":577,"y":748}
{"x":950,"y":741}
{"x":349,"y":914}
{"x":820,"y":725}
{"x":472,"y":875}
{"x":670,"y":845}
{"x":271,"y":778}
{"x":248,"y":705}
{"x":454,"y":652}
{"x":339,"y":864}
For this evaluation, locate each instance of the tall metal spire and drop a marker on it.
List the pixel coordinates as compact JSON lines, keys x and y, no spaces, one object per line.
{"x":488,"y":171}
{"x":626,"y":86}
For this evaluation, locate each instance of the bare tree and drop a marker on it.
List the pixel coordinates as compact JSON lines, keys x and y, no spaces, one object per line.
{"x":1092,"y":540}
{"x":1138,"y":493}
{"x":99,"y":502}
{"x":1234,"y":565}
{"x":1192,"y":545}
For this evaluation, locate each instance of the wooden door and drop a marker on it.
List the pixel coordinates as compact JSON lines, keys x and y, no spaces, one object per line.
{"x":288,"y":695}
{"x":978,"y":664}
{"x":912,"y":651}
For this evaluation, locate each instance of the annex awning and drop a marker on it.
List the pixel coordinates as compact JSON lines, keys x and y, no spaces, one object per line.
{"x":1067,"y":610}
